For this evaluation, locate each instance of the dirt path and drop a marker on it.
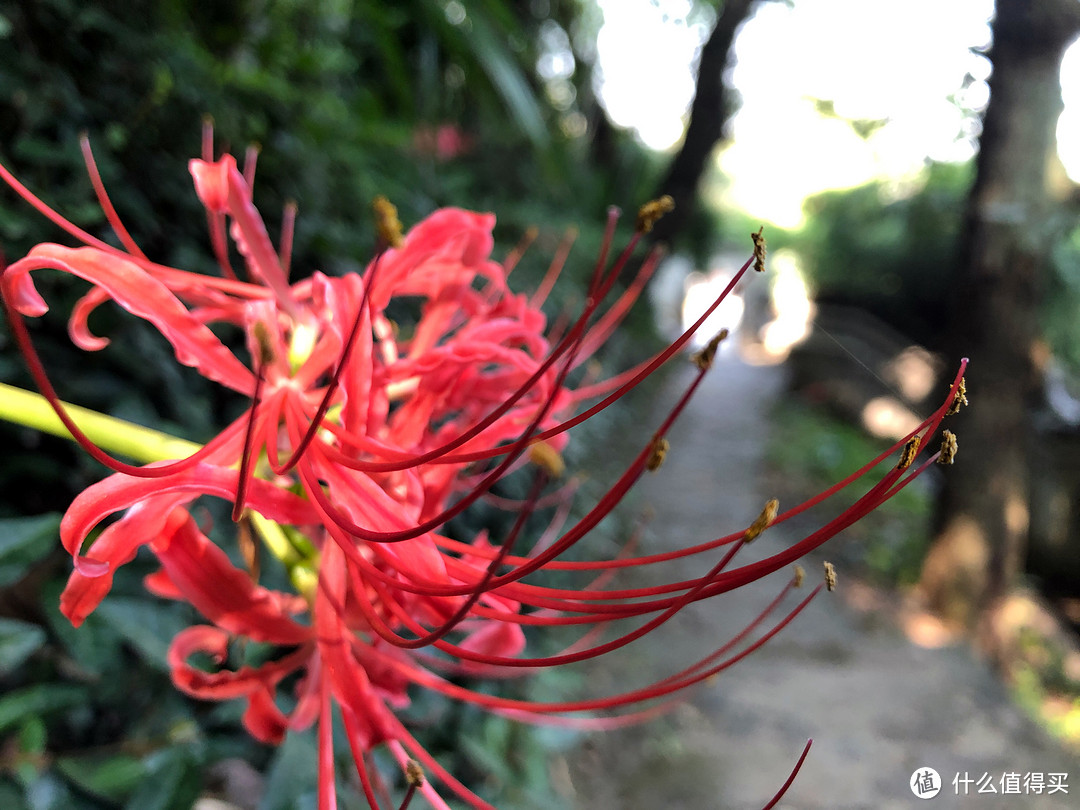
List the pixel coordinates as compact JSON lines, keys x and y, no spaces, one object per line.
{"x":877,"y":706}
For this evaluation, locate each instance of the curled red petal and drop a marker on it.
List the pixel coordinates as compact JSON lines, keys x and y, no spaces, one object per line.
{"x":212,"y":182}
{"x":79,"y":329}
{"x":92,"y":579}
{"x":141,"y":294}
{"x":120,"y":491}
{"x":220,"y":591}
{"x":263,"y":719}
{"x":224,"y":684}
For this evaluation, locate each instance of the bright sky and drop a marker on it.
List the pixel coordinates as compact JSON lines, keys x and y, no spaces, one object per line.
{"x":896,"y":61}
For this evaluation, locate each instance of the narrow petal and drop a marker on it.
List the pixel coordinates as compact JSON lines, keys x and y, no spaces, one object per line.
{"x":220,"y":591}
{"x":141,"y":294}
{"x":91,"y":581}
{"x":120,"y":491}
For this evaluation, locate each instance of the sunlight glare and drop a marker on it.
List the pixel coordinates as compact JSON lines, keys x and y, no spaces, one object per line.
{"x":811,"y":76}
{"x":647,"y":65}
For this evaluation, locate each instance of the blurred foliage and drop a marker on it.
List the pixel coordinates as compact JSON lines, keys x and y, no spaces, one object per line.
{"x":486,"y":104}
{"x":1062,"y":299}
{"x":1044,"y":685}
{"x":88,"y":715}
{"x":346,"y":98}
{"x":890,"y":250}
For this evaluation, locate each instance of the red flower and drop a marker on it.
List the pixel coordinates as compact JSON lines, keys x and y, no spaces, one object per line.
{"x":360,"y":443}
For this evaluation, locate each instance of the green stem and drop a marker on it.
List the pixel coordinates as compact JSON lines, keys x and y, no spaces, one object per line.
{"x":119,"y":436}
{"x":144,"y":445}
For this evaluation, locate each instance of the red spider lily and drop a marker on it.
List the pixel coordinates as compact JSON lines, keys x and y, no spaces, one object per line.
{"x":360,"y":443}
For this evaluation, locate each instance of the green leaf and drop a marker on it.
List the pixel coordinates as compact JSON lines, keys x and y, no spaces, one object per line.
{"x":10,"y":796}
{"x":50,"y":793}
{"x":111,"y":778}
{"x":18,"y":641}
{"x":148,"y":625}
{"x":509,"y":80}
{"x":292,"y":773}
{"x":39,"y":699}
{"x":95,"y":645}
{"x":33,"y":737}
{"x":24,"y":541}
{"x":173,"y":782}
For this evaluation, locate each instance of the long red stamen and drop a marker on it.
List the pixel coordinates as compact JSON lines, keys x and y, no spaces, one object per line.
{"x":514,"y":256}
{"x":104,"y":201}
{"x":653,"y":691}
{"x":250,"y":450}
{"x":558,"y":261}
{"x":353,"y":736}
{"x":480,"y":588}
{"x":791,"y":778}
{"x":443,"y":454}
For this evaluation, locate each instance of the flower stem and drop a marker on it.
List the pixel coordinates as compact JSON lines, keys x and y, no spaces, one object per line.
{"x":142,"y":444}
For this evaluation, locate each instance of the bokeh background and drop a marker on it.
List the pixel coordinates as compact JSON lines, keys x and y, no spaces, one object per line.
{"x":915,"y":166}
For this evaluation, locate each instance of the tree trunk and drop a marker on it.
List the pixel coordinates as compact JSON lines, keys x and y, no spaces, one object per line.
{"x":708,"y":113}
{"x":983,"y":511}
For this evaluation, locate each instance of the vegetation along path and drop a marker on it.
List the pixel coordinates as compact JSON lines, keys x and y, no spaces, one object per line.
{"x":878,"y":707}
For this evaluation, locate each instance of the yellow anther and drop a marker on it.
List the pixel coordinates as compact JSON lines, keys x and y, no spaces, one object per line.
{"x":759,"y":249}
{"x":414,"y":774}
{"x":703,"y":359}
{"x":387,"y":224}
{"x":948,"y":447}
{"x":911,"y":449}
{"x":657,"y":453}
{"x":547,"y":458}
{"x":249,"y":551}
{"x":651,"y":211}
{"x":764,"y":520}
{"x":830,"y":576}
{"x":959,"y":400}
{"x":263,"y":342}
{"x":800,"y":575}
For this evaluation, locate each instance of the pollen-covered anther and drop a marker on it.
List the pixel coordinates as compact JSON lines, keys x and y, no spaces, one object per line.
{"x":651,"y":211}
{"x":830,"y":576}
{"x":959,"y":400}
{"x":759,"y":249}
{"x":414,"y":774}
{"x":548,"y":459}
{"x":387,"y":224}
{"x":948,"y":447}
{"x":657,"y":453}
{"x":911,"y":449}
{"x":265,"y":344}
{"x":800,"y":575}
{"x":764,"y":520}
{"x":703,"y":359}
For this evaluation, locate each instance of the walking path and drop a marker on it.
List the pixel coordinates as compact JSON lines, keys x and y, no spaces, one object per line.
{"x":877,"y":706}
